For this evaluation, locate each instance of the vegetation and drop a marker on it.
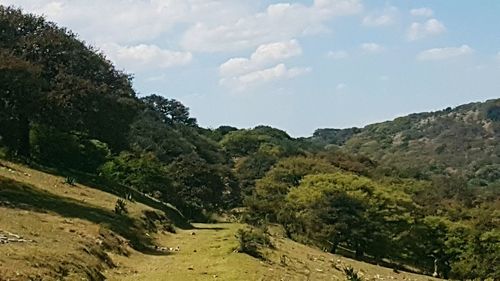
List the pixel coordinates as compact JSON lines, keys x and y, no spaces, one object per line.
{"x":252,"y":240}
{"x":351,"y":274}
{"x":408,"y":192}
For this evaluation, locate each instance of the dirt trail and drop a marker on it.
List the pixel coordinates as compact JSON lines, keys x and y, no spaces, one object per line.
{"x":207,"y":253}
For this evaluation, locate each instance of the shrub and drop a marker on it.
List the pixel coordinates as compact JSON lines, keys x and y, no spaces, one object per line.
{"x":252,"y":240}
{"x":121,"y":207}
{"x":70,"y":180}
{"x":66,"y":150}
{"x":142,"y":172}
{"x":351,"y":274}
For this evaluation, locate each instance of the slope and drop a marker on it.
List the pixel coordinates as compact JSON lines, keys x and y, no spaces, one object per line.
{"x":461,"y":141}
{"x":64,"y":232}
{"x":207,"y":253}
{"x":56,"y":231}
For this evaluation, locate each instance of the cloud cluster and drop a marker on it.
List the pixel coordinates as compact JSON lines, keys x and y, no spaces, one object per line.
{"x":385,"y":18}
{"x":241,"y":72}
{"x":444,"y":53}
{"x":282,"y":21}
{"x":428,"y":28}
{"x":143,"y":57}
{"x":132,"y":33}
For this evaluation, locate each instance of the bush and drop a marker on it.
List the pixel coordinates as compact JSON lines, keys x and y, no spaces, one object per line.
{"x":142,"y":172}
{"x":252,"y":240}
{"x":66,"y":150}
{"x":121,"y":207}
{"x":351,"y":274}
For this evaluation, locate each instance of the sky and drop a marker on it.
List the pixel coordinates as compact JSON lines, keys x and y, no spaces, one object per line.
{"x":294,"y":64}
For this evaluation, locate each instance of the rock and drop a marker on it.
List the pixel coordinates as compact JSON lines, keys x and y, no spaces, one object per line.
{"x":191,"y":267}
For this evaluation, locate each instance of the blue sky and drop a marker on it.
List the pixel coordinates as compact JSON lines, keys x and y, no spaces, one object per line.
{"x":296,"y":65}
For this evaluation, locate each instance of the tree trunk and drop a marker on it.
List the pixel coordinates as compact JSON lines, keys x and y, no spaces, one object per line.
{"x":23,"y":148}
{"x":359,"y":254}
{"x":335,"y":245}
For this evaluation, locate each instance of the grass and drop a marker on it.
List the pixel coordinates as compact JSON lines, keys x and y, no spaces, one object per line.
{"x":210,"y":255}
{"x":74,"y":227}
{"x":77,"y":236}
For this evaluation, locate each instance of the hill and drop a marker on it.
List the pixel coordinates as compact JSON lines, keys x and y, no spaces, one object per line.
{"x":70,"y":232}
{"x":128,"y":170}
{"x":461,"y":141}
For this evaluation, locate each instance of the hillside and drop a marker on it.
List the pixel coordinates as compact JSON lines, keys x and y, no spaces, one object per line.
{"x":71,"y":233}
{"x":113,"y":176}
{"x":461,"y":141}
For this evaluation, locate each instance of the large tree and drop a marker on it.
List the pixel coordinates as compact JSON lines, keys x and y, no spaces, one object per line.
{"x":20,"y":85}
{"x":80,"y":91}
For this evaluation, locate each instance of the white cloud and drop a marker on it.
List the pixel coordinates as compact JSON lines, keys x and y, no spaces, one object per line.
{"x":385,"y":18}
{"x":431,"y":27}
{"x":278,"y":22}
{"x":265,"y":55}
{"x":116,"y":21}
{"x":337,"y":55}
{"x":142,"y":57}
{"x":444,"y":53}
{"x":278,"y":72}
{"x":371,"y":48}
{"x":239,"y":73}
{"x":422,"y":12}
{"x":132,"y":22}
{"x":205,"y":25}
{"x":276,"y":51}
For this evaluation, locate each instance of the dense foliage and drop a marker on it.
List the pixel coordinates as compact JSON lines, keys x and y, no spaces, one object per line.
{"x":64,"y":105}
{"x":421,"y":190}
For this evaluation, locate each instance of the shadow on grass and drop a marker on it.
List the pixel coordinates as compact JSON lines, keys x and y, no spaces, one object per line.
{"x":210,"y":228}
{"x":98,"y":183}
{"x":17,"y":195}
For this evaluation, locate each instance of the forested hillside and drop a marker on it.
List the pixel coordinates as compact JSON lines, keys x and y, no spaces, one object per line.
{"x":461,"y":141}
{"x":419,"y":193}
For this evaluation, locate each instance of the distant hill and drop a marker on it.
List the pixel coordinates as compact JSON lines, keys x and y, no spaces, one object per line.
{"x":462,"y":141}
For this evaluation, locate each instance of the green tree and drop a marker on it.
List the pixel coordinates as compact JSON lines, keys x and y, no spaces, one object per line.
{"x":172,"y":111}
{"x":20,"y":92}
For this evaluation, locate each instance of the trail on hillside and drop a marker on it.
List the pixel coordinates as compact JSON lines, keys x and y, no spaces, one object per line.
{"x":207,"y":253}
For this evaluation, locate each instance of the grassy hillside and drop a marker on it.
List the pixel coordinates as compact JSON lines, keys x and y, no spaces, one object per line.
{"x":71,"y":233}
{"x":69,"y":229}
{"x":395,"y":192}
{"x":207,"y":253}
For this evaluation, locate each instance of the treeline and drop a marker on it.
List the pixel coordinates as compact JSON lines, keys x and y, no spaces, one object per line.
{"x":411,"y":222}
{"x":64,"y":105}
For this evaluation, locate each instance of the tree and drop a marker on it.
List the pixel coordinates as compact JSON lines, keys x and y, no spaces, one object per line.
{"x":172,"y":111}
{"x":199,"y":186}
{"x":80,"y":90}
{"x":20,"y":87}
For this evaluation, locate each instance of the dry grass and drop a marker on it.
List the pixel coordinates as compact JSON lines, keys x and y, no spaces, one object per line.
{"x":72,"y":227}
